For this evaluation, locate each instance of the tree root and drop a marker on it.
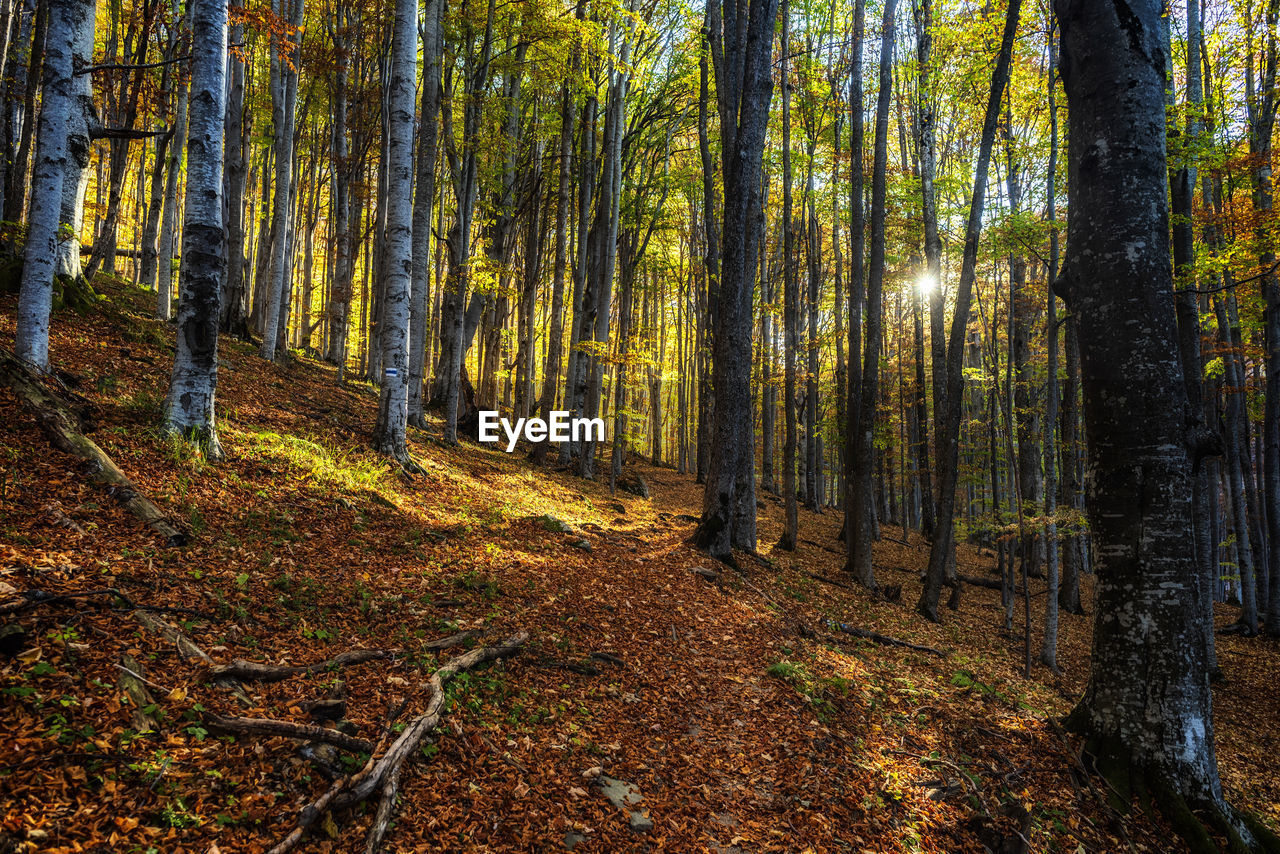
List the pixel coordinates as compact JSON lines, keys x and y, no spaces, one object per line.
{"x":62,"y":428}
{"x":252,"y":671}
{"x":381,"y":774}
{"x":883,"y":639}
{"x":287,"y":729}
{"x":1194,"y":818}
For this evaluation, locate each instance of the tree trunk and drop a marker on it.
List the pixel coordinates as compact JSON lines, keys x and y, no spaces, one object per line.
{"x":1146,"y":712}
{"x":189,"y":407}
{"x":742,"y":54}
{"x":791,"y":299}
{"x":424,"y":198}
{"x":35,"y":299}
{"x":397,"y":271}
{"x":864,"y":529}
{"x":948,"y":430}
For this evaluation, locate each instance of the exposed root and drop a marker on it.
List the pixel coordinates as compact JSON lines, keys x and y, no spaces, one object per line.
{"x":32,"y":598}
{"x":381,"y":774}
{"x":188,"y":649}
{"x":255,"y":672}
{"x":287,"y":729}
{"x":885,"y":640}
{"x":1204,"y":823}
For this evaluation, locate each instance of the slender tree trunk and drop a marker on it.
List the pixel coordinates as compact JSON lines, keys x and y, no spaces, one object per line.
{"x":948,"y":433}
{"x":284,"y":104}
{"x":173,"y":173}
{"x":389,"y":434}
{"x":1049,"y":648}
{"x":864,"y":529}
{"x":791,"y":299}
{"x":551,"y":369}
{"x":234,"y":308}
{"x":424,"y":198}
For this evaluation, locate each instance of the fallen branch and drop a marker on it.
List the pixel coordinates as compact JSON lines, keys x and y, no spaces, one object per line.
{"x":453,"y":640}
{"x":135,"y":687}
{"x":187,"y":649}
{"x":832,"y":581}
{"x":867,"y":634}
{"x":63,"y":430}
{"x":256,"y":672}
{"x":382,"y":775}
{"x":32,"y":598}
{"x":287,"y":729}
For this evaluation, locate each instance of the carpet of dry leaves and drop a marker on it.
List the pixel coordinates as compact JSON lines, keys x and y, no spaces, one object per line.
{"x":742,"y":733}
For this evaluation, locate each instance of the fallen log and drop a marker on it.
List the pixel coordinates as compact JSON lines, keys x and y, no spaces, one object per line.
{"x":62,"y":428}
{"x":867,"y":634}
{"x":287,"y":729}
{"x":255,"y":672}
{"x":382,"y":774}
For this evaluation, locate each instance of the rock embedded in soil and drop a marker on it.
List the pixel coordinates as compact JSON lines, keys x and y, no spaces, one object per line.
{"x":625,"y":796}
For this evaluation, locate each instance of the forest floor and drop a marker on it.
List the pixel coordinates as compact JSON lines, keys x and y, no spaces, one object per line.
{"x":745,"y":722}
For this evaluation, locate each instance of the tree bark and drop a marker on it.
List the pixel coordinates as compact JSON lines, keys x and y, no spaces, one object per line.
{"x":742,"y":52}
{"x":389,"y":435}
{"x":35,"y":298}
{"x":1147,"y":710}
{"x":189,"y":407}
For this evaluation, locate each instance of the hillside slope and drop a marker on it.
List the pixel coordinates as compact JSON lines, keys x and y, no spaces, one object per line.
{"x":742,"y":718}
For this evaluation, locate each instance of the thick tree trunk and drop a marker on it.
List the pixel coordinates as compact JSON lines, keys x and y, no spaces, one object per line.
{"x":189,"y":407}
{"x":1147,"y":709}
{"x":742,"y":54}
{"x":82,"y":125}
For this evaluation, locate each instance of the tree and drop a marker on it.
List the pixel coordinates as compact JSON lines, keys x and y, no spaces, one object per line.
{"x":1146,"y":713}
{"x":393,"y":401}
{"x":862,"y":529}
{"x":189,"y":406}
{"x":741,"y":49}
{"x":35,"y":299}
{"x":948,"y":429}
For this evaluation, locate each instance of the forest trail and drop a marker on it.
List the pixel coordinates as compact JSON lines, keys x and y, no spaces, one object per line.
{"x":742,"y":719}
